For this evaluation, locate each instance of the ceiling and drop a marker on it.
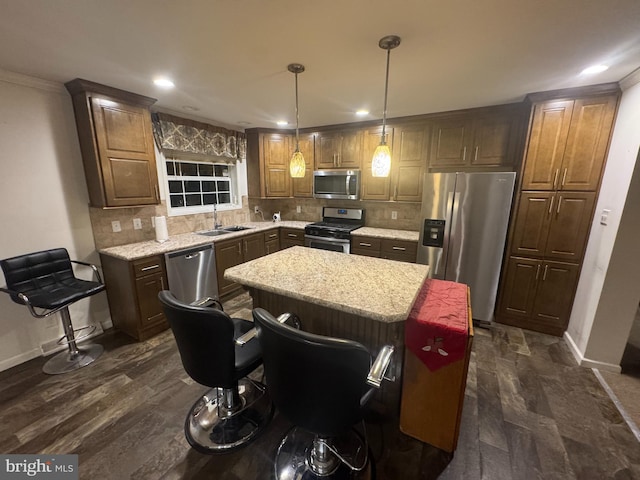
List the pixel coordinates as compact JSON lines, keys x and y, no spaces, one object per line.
{"x":228,"y":58}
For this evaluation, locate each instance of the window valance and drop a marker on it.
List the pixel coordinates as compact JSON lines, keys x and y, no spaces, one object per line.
{"x":176,"y":135}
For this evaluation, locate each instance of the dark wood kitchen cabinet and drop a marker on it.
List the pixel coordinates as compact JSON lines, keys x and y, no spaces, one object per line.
{"x":235,"y":251}
{"x":132,"y":292}
{"x":290,"y":237}
{"x":568,"y":138}
{"x":392,"y":249}
{"x":116,"y":140}
{"x":568,"y":143}
{"x":269,"y":154}
{"x":553,"y":225}
{"x":485,"y":137}
{"x":271,"y":241}
{"x":339,"y":149}
{"x":536,"y":293}
{"x":409,"y":161}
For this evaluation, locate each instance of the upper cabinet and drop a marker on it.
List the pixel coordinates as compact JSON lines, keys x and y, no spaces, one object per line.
{"x":409,"y":148}
{"x":409,"y":161}
{"x":480,"y":138}
{"x":116,"y":140}
{"x":268,"y":156}
{"x":339,"y":149}
{"x":568,"y":142}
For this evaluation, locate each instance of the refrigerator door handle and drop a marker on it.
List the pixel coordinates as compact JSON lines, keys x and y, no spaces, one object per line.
{"x":449,"y":227}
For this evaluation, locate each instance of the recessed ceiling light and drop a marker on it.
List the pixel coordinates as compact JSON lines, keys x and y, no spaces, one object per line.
{"x":362,"y":113}
{"x":163,"y":82}
{"x":190,"y":108}
{"x":244,"y":122}
{"x":282,"y":123}
{"x":593,"y":69}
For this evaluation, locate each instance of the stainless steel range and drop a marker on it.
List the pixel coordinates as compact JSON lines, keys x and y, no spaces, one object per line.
{"x":334,"y":231}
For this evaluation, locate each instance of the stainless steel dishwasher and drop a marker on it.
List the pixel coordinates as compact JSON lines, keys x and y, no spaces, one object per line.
{"x":192,"y":274}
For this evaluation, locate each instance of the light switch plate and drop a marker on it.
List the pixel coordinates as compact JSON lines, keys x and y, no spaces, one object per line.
{"x":298,"y":209}
{"x":604,"y":216}
{"x":137,"y":224}
{"x":394,"y":215}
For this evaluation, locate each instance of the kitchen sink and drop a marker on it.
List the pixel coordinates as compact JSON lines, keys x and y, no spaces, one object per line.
{"x":214,"y":233}
{"x":236,"y":228}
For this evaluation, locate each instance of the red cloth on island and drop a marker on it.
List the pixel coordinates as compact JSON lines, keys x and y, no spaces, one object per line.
{"x":437,"y":327}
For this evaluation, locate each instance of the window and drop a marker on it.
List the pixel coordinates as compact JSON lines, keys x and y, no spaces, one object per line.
{"x":194,"y":187}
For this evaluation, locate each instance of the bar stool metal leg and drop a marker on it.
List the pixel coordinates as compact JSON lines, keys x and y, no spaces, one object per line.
{"x":74,"y":357}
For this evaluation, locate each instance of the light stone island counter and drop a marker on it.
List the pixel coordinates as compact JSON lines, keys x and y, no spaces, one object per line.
{"x":134,"y":251}
{"x":388,"y":233}
{"x":339,"y":295}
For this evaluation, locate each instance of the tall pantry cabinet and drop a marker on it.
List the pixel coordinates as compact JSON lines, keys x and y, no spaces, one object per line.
{"x":564,"y":159}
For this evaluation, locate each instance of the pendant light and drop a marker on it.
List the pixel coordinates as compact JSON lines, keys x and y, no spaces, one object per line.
{"x":297,"y":166}
{"x":381,"y":163}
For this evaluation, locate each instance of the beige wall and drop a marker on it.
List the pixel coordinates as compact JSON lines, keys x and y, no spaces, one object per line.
{"x":609,"y":287}
{"x":44,"y":204}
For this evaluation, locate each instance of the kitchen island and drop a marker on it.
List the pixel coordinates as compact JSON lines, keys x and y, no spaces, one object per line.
{"x":348,"y":296}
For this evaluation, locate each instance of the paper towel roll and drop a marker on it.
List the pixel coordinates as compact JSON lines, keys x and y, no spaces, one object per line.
{"x":162,"y":234}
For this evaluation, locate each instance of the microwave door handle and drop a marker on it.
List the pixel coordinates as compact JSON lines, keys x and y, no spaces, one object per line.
{"x":346,"y":186}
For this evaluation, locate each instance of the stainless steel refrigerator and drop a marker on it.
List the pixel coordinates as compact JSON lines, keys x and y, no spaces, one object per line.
{"x":464,"y":227}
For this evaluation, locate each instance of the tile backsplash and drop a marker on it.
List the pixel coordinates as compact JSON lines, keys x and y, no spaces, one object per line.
{"x":377,"y":214}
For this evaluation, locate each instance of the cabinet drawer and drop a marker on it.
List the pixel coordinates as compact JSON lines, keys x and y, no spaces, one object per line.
{"x":271,"y":235}
{"x":369,"y":244}
{"x":147,"y":266}
{"x":402,"y":250}
{"x":292,"y":234}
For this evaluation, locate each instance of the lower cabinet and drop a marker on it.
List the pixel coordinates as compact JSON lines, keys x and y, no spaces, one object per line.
{"x":400,"y":250}
{"x":132,"y":291}
{"x":538,"y":294}
{"x":232,"y":252}
{"x":290,"y":237}
{"x":271,"y":241}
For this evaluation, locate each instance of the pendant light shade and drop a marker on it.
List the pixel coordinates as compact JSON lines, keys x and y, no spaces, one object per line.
{"x":297,"y":165}
{"x":381,"y":162}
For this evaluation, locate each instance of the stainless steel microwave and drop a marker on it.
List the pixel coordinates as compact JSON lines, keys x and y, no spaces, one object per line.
{"x":340,"y":184}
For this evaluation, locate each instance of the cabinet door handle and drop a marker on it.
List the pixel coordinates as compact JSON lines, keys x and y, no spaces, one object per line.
{"x":150,"y":267}
{"x":559,"y":202}
{"x":564,"y":177}
{"x":544,"y":275}
{"x":239,"y":249}
{"x":402,"y":249}
{"x":464,"y":154}
{"x":475,"y":158}
{"x":155,"y":188}
{"x":245,"y":247}
{"x":362,"y":244}
{"x":395,"y":192}
{"x":555,"y":177}
{"x":551,"y":204}
{"x":537,"y":271}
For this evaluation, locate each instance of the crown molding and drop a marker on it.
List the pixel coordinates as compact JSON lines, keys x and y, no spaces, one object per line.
{"x":28,"y":81}
{"x":630,"y":80}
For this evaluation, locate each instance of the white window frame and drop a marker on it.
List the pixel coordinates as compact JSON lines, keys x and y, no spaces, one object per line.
{"x":236,"y":201}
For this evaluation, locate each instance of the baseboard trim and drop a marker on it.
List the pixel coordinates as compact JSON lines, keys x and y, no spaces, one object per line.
{"x":18,"y":359}
{"x":627,"y":418}
{"x":587,"y":363}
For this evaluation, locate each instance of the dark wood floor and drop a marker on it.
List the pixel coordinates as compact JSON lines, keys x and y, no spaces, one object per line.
{"x":529,"y":413}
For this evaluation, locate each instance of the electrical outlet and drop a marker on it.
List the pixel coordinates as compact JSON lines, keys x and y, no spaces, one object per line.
{"x":115,"y":226}
{"x":394,"y":215}
{"x":137,"y":224}
{"x":298,"y":209}
{"x":256,"y":209}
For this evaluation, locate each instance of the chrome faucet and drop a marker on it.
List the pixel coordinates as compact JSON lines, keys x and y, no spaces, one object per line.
{"x":216,"y":225}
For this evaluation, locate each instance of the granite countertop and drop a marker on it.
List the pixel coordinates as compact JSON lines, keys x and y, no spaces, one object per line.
{"x":379,"y":289}
{"x":134,"y":251}
{"x":387,"y":233}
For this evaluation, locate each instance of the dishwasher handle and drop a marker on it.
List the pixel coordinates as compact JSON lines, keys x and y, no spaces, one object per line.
{"x":189,"y":252}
